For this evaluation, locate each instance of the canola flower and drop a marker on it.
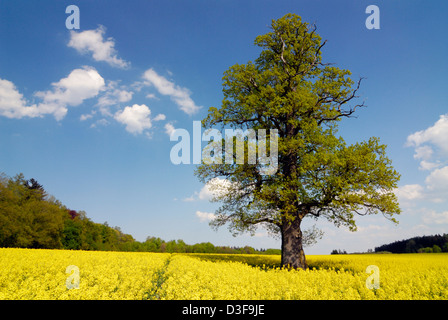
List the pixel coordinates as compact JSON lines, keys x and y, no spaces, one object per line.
{"x":41,"y":274}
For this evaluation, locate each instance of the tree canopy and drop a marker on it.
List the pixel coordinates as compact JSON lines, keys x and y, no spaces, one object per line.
{"x":416,"y":244}
{"x":30,"y":218}
{"x":289,"y":89}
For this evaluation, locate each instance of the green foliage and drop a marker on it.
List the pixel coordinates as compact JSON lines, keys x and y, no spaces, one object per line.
{"x":335,"y":251}
{"x":29,"y":218}
{"x":71,"y":235}
{"x":445,"y":247}
{"x":433,"y":243}
{"x":425,"y":250}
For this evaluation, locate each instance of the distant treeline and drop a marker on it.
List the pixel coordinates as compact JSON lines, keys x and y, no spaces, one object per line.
{"x":425,"y":244}
{"x":30,"y":218}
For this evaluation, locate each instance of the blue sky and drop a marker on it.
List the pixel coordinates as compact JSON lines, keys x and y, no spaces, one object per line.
{"x":87,"y":112}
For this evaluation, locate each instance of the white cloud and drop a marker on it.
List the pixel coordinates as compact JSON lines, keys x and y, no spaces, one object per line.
{"x":92,"y":41}
{"x":409,"y":192}
{"x":435,"y":134}
{"x":160,"y":117}
{"x":12,"y":103}
{"x":123,"y":95}
{"x":430,"y":144}
{"x":435,"y":189}
{"x":432,"y":151}
{"x":151,"y":96}
{"x":113,"y":95}
{"x":84,"y":117}
{"x":213,"y":188}
{"x":220,"y":187}
{"x":437,"y":180}
{"x":136,"y":118}
{"x":428,"y":165}
{"x":424,"y":152}
{"x":205,"y":216}
{"x":79,"y":85}
{"x":101,"y":122}
{"x":261,"y":234}
{"x":432,"y":217}
{"x":180,"y":95}
{"x":206,"y":193}
{"x":169,"y":129}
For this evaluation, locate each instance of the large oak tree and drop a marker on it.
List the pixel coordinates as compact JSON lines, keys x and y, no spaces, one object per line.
{"x":289,"y":88}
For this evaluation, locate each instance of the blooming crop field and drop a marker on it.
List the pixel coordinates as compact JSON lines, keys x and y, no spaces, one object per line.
{"x":44,"y":274}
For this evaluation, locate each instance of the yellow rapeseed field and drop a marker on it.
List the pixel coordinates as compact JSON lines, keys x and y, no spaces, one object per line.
{"x":43,"y":274}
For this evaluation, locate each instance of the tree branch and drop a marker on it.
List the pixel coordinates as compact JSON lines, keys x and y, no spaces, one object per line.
{"x":342,"y":113}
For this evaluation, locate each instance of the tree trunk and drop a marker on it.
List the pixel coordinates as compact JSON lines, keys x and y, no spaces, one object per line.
{"x":293,"y":255}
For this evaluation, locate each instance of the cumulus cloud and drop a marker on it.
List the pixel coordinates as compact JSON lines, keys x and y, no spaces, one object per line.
{"x":430,"y":144}
{"x":151,"y":96}
{"x":426,"y":140}
{"x":409,"y":192}
{"x":93,"y":42}
{"x":432,"y":217}
{"x":206,"y":193}
{"x":428,"y":165}
{"x":84,"y":117}
{"x":101,"y":122}
{"x":205,"y":216}
{"x":13,"y":104}
{"x":180,"y":95}
{"x":160,"y":117}
{"x":189,"y":199}
{"x":213,"y":188}
{"x":438,"y":179}
{"x":79,"y":85}
{"x":136,"y":118}
{"x":435,"y":189}
{"x":436,"y":134}
{"x":431,"y":150}
{"x":113,"y":95}
{"x":423,"y":152}
{"x":169,"y":129}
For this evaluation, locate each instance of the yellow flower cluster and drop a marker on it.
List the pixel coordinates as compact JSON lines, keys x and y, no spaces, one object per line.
{"x":403,"y":276}
{"x":41,"y":274}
